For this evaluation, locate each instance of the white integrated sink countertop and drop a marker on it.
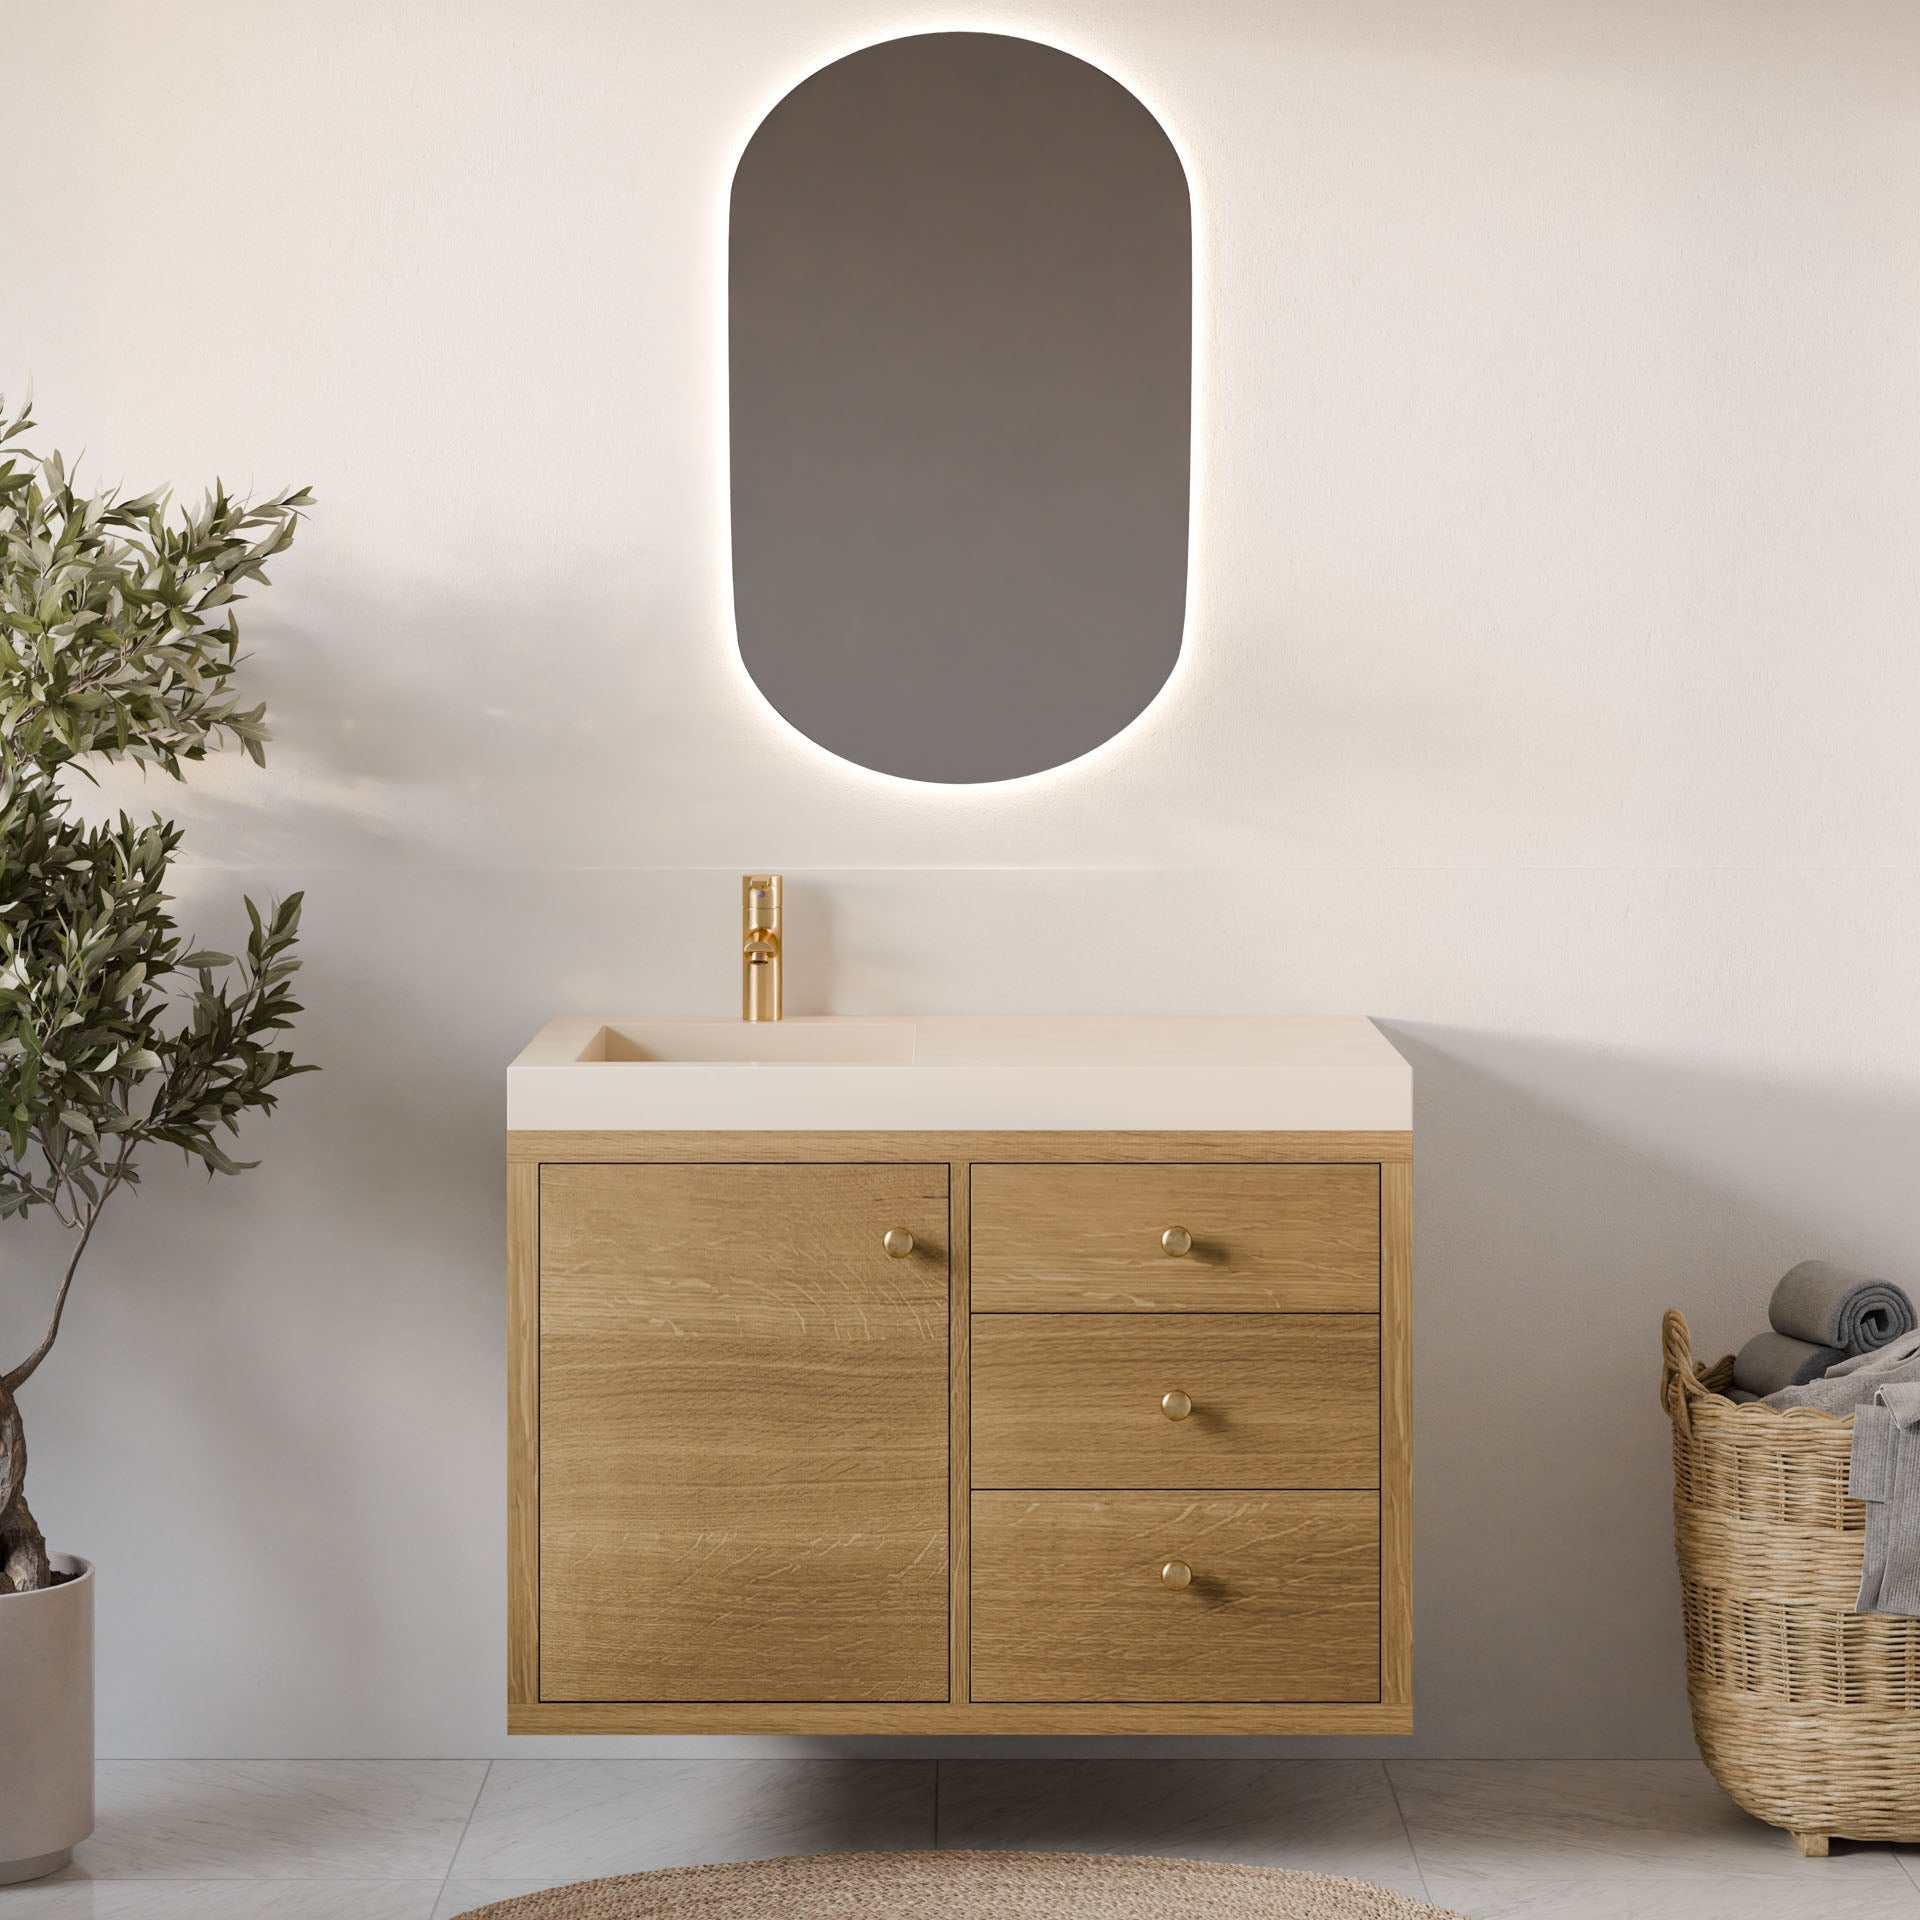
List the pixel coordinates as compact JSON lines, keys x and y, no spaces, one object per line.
{"x":960,"y":1074}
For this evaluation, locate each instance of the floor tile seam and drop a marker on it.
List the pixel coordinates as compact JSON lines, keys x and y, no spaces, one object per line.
{"x":466,"y":1827}
{"x":1909,"y":1864}
{"x":1406,"y":1827}
{"x":92,"y":1878}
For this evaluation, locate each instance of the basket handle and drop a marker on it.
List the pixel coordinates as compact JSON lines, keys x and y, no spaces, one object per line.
{"x":1680,"y":1382}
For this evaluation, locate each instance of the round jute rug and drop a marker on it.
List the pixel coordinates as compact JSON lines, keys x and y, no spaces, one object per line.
{"x":966,"y":1886}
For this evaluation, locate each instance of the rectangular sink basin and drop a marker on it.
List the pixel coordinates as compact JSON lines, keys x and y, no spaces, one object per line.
{"x":764,"y":1043}
{"x":959,"y":1074}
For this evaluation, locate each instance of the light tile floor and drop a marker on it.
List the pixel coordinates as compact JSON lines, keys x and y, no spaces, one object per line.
{"x":426,"y":1840}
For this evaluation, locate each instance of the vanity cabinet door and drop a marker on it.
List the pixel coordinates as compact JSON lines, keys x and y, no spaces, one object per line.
{"x":743,"y":1433}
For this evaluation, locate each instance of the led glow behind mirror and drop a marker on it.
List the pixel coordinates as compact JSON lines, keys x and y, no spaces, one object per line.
{"x":961,"y":365}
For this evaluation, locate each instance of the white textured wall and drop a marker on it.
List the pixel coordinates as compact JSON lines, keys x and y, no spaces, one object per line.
{"x":1550,"y":694}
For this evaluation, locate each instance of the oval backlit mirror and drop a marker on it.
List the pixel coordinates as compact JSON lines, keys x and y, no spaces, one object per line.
{"x":960,"y":320}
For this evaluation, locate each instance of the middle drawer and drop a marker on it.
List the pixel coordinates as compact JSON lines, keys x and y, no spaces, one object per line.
{"x":1095,"y":1400}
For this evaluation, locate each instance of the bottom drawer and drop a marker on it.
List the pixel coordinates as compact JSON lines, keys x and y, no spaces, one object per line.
{"x":1070,"y":1602}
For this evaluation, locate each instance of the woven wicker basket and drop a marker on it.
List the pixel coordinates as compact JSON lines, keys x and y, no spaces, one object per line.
{"x":1806,"y":1712}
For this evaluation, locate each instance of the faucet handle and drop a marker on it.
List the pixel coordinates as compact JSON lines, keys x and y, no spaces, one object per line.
{"x":760,"y":900}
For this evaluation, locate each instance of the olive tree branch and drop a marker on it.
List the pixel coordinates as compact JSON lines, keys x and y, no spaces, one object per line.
{"x":25,"y":1371}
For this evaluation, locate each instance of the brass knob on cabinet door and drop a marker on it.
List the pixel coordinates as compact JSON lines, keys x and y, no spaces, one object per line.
{"x":1176,"y":1574}
{"x":1177,"y":1240}
{"x":898,"y":1242}
{"x":1175,"y":1405}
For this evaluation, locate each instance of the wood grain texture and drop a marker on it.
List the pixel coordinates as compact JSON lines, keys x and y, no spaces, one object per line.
{"x":960,"y":1717}
{"x":958,"y":1714}
{"x":523,"y":1433}
{"x":1004,"y":1144}
{"x":743,"y":1433}
{"x":1068,"y":1603}
{"x":1073,"y":1400}
{"x":1086,"y":1239}
{"x":1396,"y":1434}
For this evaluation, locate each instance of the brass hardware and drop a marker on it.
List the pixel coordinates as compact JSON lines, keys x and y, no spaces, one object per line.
{"x":761,"y":993}
{"x":1175,"y":1405}
{"x":898,"y":1242}
{"x":1177,"y":1240}
{"x":1176,"y":1574}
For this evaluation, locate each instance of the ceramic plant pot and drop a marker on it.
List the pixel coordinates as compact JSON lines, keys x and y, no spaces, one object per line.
{"x":46,"y":1723}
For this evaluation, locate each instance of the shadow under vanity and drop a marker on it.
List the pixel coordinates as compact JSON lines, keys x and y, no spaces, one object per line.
{"x":960,"y":1375}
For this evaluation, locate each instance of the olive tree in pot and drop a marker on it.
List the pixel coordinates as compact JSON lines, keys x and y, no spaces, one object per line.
{"x":117,"y":641}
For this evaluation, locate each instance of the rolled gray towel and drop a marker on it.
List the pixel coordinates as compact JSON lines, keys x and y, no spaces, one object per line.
{"x":1770,"y":1361}
{"x":1829,"y":1306}
{"x":1853,"y":1383}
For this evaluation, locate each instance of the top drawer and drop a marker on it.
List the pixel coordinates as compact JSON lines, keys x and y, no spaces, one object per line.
{"x":1101,"y":1239}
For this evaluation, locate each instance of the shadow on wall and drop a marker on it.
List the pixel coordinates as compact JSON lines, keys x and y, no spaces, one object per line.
{"x":428,"y":721}
{"x":1566,"y":1195}
{"x":811,"y":956}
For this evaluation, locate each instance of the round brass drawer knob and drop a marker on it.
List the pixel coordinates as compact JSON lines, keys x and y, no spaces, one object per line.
{"x":898,"y":1242}
{"x":1176,"y":1574}
{"x":1177,"y":1240}
{"x":1175,"y":1405}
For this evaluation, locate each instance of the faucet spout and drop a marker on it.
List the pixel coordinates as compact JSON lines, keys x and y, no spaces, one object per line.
{"x":761,"y":988}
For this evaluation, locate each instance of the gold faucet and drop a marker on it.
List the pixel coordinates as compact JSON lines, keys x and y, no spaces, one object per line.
{"x":760,"y":988}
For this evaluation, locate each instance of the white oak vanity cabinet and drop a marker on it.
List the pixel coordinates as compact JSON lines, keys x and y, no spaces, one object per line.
{"x":984,"y":1428}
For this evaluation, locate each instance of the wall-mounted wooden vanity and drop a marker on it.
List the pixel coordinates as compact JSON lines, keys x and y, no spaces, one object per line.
{"x":912,"y":1429}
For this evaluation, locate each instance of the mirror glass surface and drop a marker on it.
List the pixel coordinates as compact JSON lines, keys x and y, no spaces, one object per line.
{"x":960,"y":335}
